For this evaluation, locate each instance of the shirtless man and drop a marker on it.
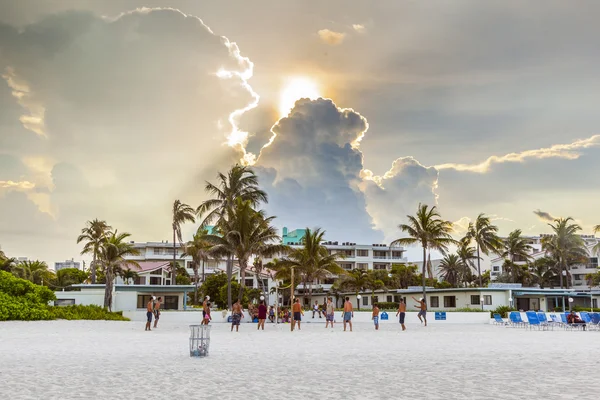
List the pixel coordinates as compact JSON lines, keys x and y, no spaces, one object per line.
{"x":375,"y":317}
{"x":348,"y":314}
{"x":157,"y":311}
{"x":236,"y":315}
{"x":149,"y":313}
{"x":423,"y":307}
{"x":297,"y":309}
{"x":402,"y":312}
{"x":329,"y":313}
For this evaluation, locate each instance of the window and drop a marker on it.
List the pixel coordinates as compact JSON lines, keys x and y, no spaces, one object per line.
{"x":347,"y":253}
{"x":155,"y":280}
{"x":593,"y":262}
{"x":396,"y":299}
{"x":496,"y":268}
{"x":157,"y":251}
{"x":142,"y":300}
{"x":449,"y":301}
{"x":364,"y":266}
{"x":487,"y":299}
{"x":140,"y":280}
{"x":64,"y":302}
{"x":396,"y":254}
{"x":306,"y":301}
{"x":171,"y":303}
{"x":375,"y":299}
{"x":434,"y":301}
{"x":475,"y":299}
{"x":346,"y":266}
{"x":249,"y":282}
{"x":362,"y":253}
{"x":365,"y":300}
{"x":594,"y":303}
{"x":389,"y":299}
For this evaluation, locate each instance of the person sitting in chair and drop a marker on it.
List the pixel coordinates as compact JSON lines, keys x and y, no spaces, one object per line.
{"x":574,"y":319}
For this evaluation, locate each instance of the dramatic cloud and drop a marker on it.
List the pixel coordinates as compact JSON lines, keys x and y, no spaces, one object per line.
{"x":544,"y":216}
{"x":568,"y":151}
{"x":331,"y":38}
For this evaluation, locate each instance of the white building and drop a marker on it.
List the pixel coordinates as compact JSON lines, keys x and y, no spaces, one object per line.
{"x":578,"y":272}
{"x":67,"y":264}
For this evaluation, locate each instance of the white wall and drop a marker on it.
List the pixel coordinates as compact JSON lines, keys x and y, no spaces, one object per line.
{"x":84,"y":298}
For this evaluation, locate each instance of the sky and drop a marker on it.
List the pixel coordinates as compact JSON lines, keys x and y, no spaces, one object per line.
{"x":350,"y":112}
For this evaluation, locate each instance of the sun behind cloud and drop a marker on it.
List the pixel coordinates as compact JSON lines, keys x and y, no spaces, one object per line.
{"x":295,"y":88}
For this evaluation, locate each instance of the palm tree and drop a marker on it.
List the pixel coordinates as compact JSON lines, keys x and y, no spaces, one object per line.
{"x":429,"y":230}
{"x":198,"y":248}
{"x":565,"y":246}
{"x":596,"y":248}
{"x":486,"y":239}
{"x":2,"y":255}
{"x":129,"y":275}
{"x":452,"y":268}
{"x":516,"y":247}
{"x":34,"y":271}
{"x":313,"y":261}
{"x":467,"y":255}
{"x":543,"y":271}
{"x":113,"y":251}
{"x":247,"y":233}
{"x":182,"y":213}
{"x":356,"y":280}
{"x":93,"y":235}
{"x":404,"y":275}
{"x":240,"y":182}
{"x":374,"y":283}
{"x":7,"y":264}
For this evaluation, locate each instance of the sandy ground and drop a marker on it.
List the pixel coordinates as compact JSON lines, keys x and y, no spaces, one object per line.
{"x":118,"y":360}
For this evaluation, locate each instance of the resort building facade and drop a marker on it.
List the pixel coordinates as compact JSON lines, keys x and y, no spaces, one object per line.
{"x":67,"y":264}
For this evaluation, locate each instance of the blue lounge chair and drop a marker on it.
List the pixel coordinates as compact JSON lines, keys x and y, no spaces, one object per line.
{"x":534,"y":321}
{"x":567,"y":325}
{"x":555,"y":320}
{"x":544,"y":321}
{"x":515,"y":319}
{"x":595,"y":320}
{"x":587,"y":318}
{"x":499,"y":321}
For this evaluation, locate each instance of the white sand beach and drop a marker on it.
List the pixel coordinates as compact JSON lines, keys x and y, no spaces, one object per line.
{"x":118,"y":360}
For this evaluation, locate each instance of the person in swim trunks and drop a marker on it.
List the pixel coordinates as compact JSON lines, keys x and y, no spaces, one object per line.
{"x":157,"y":311}
{"x":298,"y":313}
{"x":376,"y":316}
{"x":149,"y":313}
{"x":402,"y":312}
{"x":204,"y":310}
{"x":329,"y":313}
{"x":348,"y":314}
{"x":423,"y":309}
{"x":236,"y":315}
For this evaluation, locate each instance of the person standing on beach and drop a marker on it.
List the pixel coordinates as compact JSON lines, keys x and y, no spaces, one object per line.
{"x":423,"y":309}
{"x":157,"y":311}
{"x":298,"y":313}
{"x":348,"y":314}
{"x":236,"y":315}
{"x":149,"y":313}
{"x":262,"y":315}
{"x":402,"y":312}
{"x":329,"y":313}
{"x":204,"y":310}
{"x":375,"y":317}
{"x":207,"y":317}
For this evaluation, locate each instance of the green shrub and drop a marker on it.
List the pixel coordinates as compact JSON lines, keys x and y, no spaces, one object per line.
{"x":385,"y":305}
{"x":468,"y":309}
{"x":90,"y":312}
{"x":503,"y":311}
{"x":21,"y":308}
{"x":584,"y":309}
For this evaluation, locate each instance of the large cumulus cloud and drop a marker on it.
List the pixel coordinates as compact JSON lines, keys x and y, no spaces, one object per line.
{"x":113,"y":118}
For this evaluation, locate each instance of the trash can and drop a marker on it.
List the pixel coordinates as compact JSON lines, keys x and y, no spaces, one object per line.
{"x":199,"y":340}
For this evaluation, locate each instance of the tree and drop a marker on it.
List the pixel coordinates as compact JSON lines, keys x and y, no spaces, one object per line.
{"x":356,"y":280}
{"x":247,"y":233}
{"x":374,"y":283}
{"x":312,"y":261}
{"x":67,"y":277}
{"x":565,"y":246}
{"x":404,"y":275}
{"x":429,"y":230}
{"x":467,"y":255}
{"x":212,"y":287}
{"x":34,"y":271}
{"x":7,"y":264}
{"x":543,"y":271}
{"x":596,"y":248}
{"x":129,"y":275}
{"x":112,"y":254}
{"x":452,"y":268}
{"x":182,"y":213}
{"x":516,"y":247}
{"x":198,"y":248}
{"x":93,"y":235}
{"x":486,"y":239}
{"x":240,"y":182}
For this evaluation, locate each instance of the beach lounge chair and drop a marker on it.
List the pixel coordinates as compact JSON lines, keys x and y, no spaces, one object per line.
{"x":555,"y":320}
{"x":587,"y":318}
{"x":515,"y":320}
{"x":567,"y":325}
{"x":534,"y":321}
{"x":499,"y":321}
{"x":595,"y":320}
{"x":544,"y":321}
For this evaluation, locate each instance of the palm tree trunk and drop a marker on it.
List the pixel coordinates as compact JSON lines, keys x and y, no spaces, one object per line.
{"x":174,"y":272}
{"x":107,"y":288}
{"x":94,"y":269}
{"x":196,"y":283}
{"x":424,"y":271}
{"x":479,"y":267}
{"x":229,"y":276}
{"x":202,"y":271}
{"x":242,"y":280}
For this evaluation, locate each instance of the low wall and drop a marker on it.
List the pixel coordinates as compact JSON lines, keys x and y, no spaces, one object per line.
{"x":195,"y":316}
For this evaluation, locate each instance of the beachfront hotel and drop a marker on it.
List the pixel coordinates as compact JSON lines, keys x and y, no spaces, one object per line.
{"x":578,"y":272}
